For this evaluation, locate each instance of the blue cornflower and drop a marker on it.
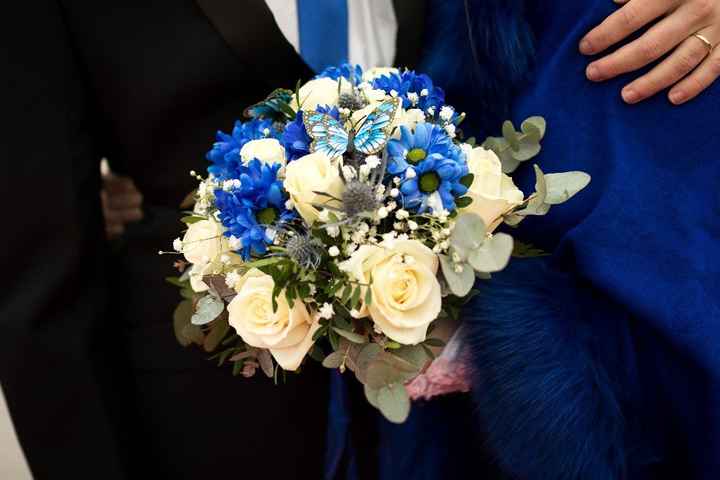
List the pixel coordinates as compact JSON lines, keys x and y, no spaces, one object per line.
{"x":430,"y":167}
{"x":225,"y":153}
{"x":351,"y":73}
{"x":248,"y":211}
{"x":409,"y":82}
{"x":295,"y":138}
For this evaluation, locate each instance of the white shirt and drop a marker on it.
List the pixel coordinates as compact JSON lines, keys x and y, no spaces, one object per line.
{"x":372,"y":29}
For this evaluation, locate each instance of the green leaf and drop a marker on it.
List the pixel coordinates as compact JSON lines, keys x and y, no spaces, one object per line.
{"x":414,"y":354}
{"x":352,"y":336}
{"x":434,"y":342}
{"x":218,"y":330}
{"x":493,"y":255}
{"x":463,"y":202}
{"x":371,"y":394}
{"x":346,"y":294}
{"x":563,"y":186}
{"x":468,"y":234}
{"x":355,"y":300}
{"x":177,"y":282}
{"x":394,"y":403}
{"x":208,"y":309}
{"x":181,"y":319}
{"x":334,"y":360}
{"x":459,"y":283}
{"x":537,"y":204}
{"x":367,"y":355}
{"x":509,"y":134}
{"x":190,"y":219}
{"x":368,"y":297}
{"x":534,"y":126}
{"x":467,"y":180}
{"x":387,"y":369}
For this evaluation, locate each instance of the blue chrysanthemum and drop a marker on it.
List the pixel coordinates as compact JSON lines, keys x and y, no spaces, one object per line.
{"x":437,"y":163}
{"x":225,"y":153}
{"x":428,"y":95}
{"x":248,"y":211}
{"x":295,"y":138}
{"x":352,"y":73}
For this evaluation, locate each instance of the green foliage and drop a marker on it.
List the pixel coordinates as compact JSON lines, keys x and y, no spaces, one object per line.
{"x":459,"y":283}
{"x":493,"y":255}
{"x":208,"y":308}
{"x":276,"y":106}
{"x":185,"y":332}
{"x":516,"y":147}
{"x":190,"y":219}
{"x":527,"y":250}
{"x":563,"y":186}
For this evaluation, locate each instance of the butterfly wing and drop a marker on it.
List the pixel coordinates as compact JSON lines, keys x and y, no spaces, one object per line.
{"x":373,"y":134}
{"x":329,"y":136}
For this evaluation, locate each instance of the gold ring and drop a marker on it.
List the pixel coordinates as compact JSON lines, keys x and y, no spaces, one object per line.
{"x":705,"y":41}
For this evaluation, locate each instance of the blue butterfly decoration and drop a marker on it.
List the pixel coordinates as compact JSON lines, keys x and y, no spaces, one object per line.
{"x":330,"y":138}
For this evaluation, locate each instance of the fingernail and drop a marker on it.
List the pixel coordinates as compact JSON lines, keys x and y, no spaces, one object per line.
{"x":630,"y":95}
{"x":592,"y":72}
{"x":677,"y":97}
{"x":585,"y":47}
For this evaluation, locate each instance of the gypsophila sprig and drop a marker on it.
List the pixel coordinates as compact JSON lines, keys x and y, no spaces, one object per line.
{"x":342,"y":222}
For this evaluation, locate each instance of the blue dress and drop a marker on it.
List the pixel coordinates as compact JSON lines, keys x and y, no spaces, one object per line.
{"x":601,"y":361}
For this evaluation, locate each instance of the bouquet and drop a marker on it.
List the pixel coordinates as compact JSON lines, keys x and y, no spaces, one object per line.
{"x":343,"y":221}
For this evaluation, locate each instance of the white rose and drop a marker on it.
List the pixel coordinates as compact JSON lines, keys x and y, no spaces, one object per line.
{"x":406,"y":295}
{"x":199,"y":270}
{"x":286,"y":332}
{"x":267,"y":150}
{"x":312,"y":173}
{"x":493,"y":193}
{"x":321,"y":91}
{"x":204,"y":241}
{"x":376,"y":72}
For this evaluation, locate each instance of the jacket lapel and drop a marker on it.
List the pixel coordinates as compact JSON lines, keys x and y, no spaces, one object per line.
{"x":411,"y":25}
{"x":249,"y":28}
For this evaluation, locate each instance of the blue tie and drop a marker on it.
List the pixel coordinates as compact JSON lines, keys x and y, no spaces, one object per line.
{"x":323,"y":28}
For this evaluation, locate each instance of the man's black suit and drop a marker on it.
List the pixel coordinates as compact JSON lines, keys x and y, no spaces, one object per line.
{"x":88,"y":362}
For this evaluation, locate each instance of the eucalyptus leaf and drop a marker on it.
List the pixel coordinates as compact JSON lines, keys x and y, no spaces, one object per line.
{"x":364,"y":358}
{"x":190,"y":219}
{"x":537,"y":124}
{"x":181,"y":318}
{"x":537,"y":204}
{"x":217,"y":284}
{"x":371,"y":394}
{"x":266,"y":362}
{"x":208,"y":308}
{"x":394,"y":403}
{"x":352,"y":336}
{"x":468,"y":233}
{"x":563,"y":186}
{"x":459,"y":283}
{"x":493,"y":255}
{"x":218,"y":330}
{"x":414,"y":354}
{"x":509,"y":133}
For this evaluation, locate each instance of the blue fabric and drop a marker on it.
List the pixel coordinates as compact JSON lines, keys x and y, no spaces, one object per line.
{"x":323,"y":28}
{"x":601,"y":361}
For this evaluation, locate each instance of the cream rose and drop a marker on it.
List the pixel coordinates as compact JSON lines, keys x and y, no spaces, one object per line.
{"x":321,"y":91}
{"x":406,"y":295}
{"x":376,"y":72}
{"x":267,"y":150}
{"x":493,"y":193}
{"x":286,"y":332}
{"x":204,"y":241}
{"x":309,"y":174}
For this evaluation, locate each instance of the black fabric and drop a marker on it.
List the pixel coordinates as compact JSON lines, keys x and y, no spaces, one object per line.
{"x":411,"y":16}
{"x":97,"y":386}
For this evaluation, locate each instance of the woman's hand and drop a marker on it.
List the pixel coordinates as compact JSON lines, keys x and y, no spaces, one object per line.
{"x":691,"y":67}
{"x":121,"y":202}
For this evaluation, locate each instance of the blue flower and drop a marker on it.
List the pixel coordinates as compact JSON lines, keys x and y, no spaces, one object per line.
{"x":225,"y":153}
{"x":295,"y":138}
{"x":247,"y":211}
{"x":428,"y":95}
{"x":436,"y":163}
{"x":352,"y":73}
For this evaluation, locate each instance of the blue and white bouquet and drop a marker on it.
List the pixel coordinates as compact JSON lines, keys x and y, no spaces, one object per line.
{"x":342,"y":220}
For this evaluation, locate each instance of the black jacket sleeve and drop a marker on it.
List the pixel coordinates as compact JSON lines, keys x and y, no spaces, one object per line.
{"x":52,"y":288}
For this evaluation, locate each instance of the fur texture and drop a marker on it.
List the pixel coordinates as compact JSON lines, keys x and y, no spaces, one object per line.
{"x":484,"y":82}
{"x":545,"y":401}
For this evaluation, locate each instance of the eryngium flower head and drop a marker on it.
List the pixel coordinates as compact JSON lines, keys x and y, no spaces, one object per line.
{"x":351,"y":101}
{"x":305,"y":250}
{"x":359,"y":197}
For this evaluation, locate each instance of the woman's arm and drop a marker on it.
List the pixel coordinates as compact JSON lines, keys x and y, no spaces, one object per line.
{"x":687,"y":34}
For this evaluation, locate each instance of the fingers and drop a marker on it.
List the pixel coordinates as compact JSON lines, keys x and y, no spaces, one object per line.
{"x":652,"y":45}
{"x":627,"y":20}
{"x":678,"y":65}
{"x":704,"y":76}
